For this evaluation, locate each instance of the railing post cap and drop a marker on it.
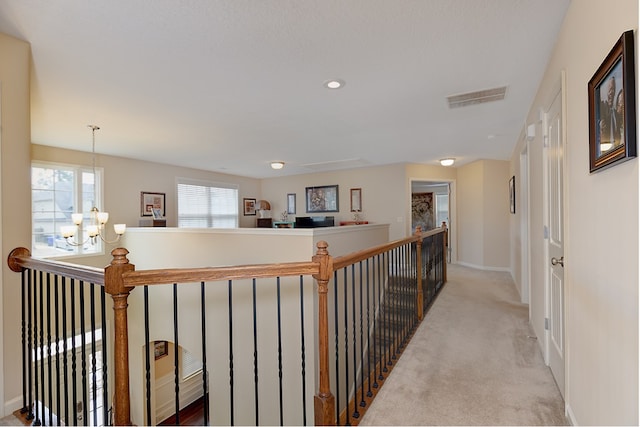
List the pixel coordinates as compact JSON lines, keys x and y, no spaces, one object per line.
{"x":119,"y":256}
{"x":17,"y":253}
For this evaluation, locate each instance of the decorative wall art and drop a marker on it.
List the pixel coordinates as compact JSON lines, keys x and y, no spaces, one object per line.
{"x":512,"y":195}
{"x":160,"y":349}
{"x":249,"y":206}
{"x":150,"y":202}
{"x":291,"y":203}
{"x":612,"y":107}
{"x":356,"y":200}
{"x":422,"y":211}
{"x":322,"y":199}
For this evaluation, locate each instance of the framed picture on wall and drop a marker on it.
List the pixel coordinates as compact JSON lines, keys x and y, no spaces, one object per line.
{"x":249,"y":207}
{"x":152,"y":203}
{"x":160,"y":349}
{"x":512,"y":195}
{"x":612,"y":107}
{"x":322,"y":199}
{"x":291,"y":203}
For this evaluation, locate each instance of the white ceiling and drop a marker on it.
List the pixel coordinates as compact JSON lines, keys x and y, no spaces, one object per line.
{"x":230,"y":85}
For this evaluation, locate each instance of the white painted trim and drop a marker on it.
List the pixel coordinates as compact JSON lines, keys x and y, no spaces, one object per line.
{"x":10,"y":406}
{"x":570,"y":415}
{"x":483,"y":267}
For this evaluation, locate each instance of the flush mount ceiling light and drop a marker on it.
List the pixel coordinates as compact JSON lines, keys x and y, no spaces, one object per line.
{"x":277,"y":165}
{"x":447,"y":162}
{"x":334,"y":84}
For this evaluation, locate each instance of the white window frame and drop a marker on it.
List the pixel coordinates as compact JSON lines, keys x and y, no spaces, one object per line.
{"x":95,"y":248}
{"x":211,"y":216}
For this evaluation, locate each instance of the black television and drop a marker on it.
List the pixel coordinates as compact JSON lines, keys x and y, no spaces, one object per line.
{"x":314,"y":221}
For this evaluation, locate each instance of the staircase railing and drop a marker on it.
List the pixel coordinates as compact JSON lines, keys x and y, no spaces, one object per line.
{"x":368,"y":305}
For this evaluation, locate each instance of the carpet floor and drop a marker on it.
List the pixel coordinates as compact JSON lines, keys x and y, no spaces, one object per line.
{"x":472,"y":361}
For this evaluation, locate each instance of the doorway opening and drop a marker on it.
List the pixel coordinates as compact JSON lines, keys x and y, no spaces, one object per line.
{"x":431,"y":206}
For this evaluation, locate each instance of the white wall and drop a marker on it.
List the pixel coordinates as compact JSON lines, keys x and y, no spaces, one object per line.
{"x":15,"y":226}
{"x":601,"y":218}
{"x":483,"y":215}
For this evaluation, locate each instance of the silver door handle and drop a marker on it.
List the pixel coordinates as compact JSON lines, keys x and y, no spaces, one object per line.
{"x":555,"y":261}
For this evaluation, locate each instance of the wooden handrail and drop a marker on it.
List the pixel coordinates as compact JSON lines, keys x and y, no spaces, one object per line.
{"x":355,"y":257}
{"x":20,"y":258}
{"x":212,"y":274}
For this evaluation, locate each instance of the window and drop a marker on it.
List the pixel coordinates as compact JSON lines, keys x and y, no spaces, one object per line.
{"x":207,"y":205}
{"x":57,"y":191}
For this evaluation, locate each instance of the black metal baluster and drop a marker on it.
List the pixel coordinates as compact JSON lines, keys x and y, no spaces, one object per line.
{"x":94,"y":374}
{"x":57,"y":344}
{"x":387,"y":308}
{"x":231,"y":409}
{"x":74,"y":382}
{"x":36,"y":421}
{"x":380,"y":319}
{"x":39,"y":400}
{"x":83,"y":355}
{"x":376,"y":326}
{"x":355,"y":414}
{"x":369,"y":392}
{"x":176,"y":370}
{"x":205,"y":374}
{"x":49,"y":350}
{"x":147,"y":356}
{"x":279,"y":349}
{"x":394,"y":296}
{"x":362,"y":402}
{"x":105,"y":377}
{"x":23,"y":311}
{"x":346,"y":345}
{"x":337,"y":342}
{"x":64,"y":352}
{"x":255,"y":351}
{"x":30,"y":278}
{"x":303,"y":352}
{"x":41,"y":419}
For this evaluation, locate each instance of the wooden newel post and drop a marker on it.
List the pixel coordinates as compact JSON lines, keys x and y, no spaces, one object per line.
{"x":114,"y":285}
{"x":445,"y":251}
{"x":420,"y":294}
{"x":324,"y":402}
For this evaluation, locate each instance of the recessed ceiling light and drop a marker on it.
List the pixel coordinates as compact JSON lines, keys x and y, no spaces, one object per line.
{"x":447,"y":162}
{"x":334,"y":84}
{"x":277,"y":165}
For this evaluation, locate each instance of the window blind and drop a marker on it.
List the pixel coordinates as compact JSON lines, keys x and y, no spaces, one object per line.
{"x":207,"y":205}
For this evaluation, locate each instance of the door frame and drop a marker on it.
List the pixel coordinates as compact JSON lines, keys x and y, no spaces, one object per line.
{"x":559,"y":90}
{"x":452,"y":235}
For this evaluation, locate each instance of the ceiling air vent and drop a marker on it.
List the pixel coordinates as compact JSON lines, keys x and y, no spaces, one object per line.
{"x":479,"y":97}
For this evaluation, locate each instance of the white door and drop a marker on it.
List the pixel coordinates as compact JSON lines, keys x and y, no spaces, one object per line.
{"x":555,"y":243}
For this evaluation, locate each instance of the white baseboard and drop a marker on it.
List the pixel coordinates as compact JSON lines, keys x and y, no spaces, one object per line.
{"x":10,"y":406}
{"x":485,"y":268}
{"x":570,"y":416}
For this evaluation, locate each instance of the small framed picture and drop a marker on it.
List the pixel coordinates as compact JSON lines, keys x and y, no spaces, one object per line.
{"x":160,"y":349}
{"x":356,"y":200}
{"x":249,"y":206}
{"x":512,"y":195}
{"x":149,"y":202}
{"x":291,"y":203}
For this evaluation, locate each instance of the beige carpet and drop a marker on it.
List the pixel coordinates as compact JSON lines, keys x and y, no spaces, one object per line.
{"x":471,"y":362}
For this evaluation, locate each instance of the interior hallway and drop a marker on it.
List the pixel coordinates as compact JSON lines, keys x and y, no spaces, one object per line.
{"x":472,"y":361}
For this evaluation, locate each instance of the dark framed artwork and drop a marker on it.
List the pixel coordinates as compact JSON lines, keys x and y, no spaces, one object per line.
{"x":612,"y":107}
{"x":160,"y":349}
{"x":152,"y":202}
{"x":322,"y":199}
{"x":291,"y":203}
{"x":249,"y":207}
{"x":512,"y":195}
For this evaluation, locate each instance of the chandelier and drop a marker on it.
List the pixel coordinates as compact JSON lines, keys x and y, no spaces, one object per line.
{"x":96,"y":229}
